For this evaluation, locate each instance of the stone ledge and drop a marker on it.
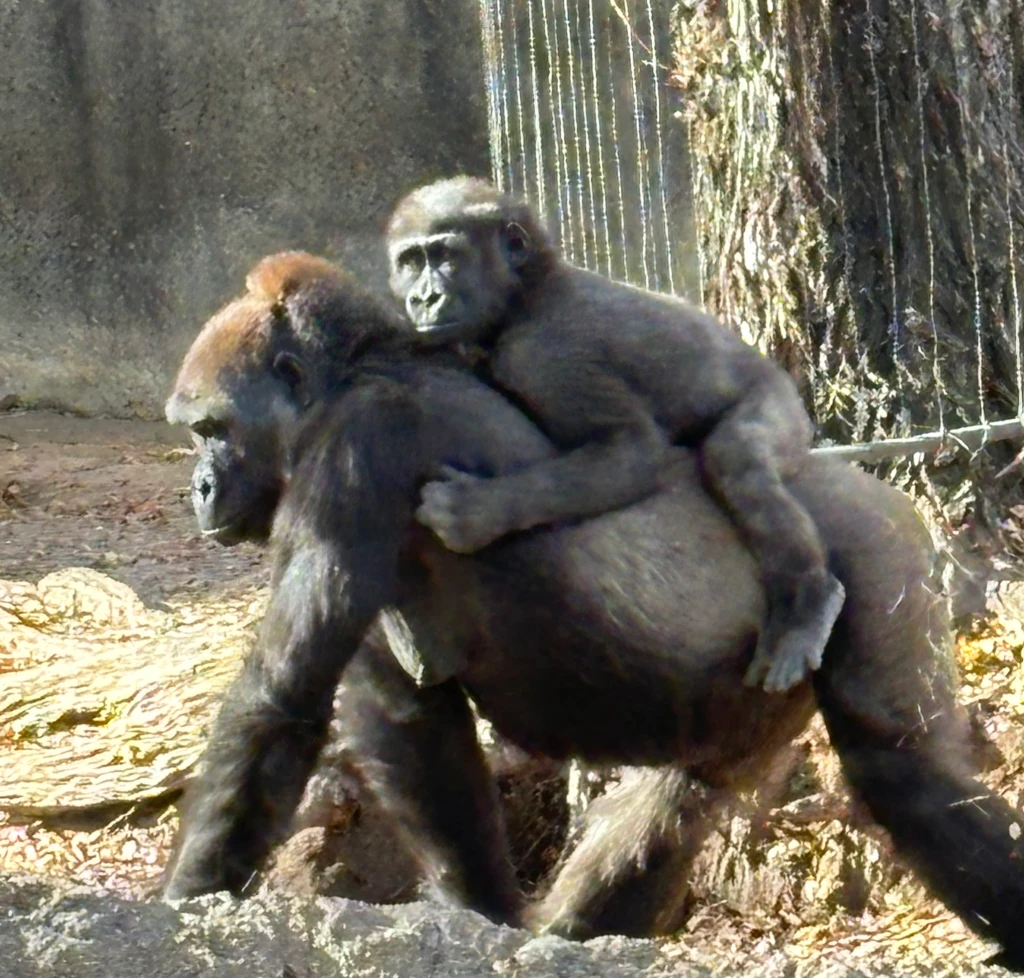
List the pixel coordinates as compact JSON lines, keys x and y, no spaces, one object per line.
{"x":49,"y":929}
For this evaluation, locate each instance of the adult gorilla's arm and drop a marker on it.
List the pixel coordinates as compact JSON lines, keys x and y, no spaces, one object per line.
{"x":337,"y":538}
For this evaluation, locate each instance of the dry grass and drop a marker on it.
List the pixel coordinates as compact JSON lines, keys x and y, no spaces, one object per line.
{"x":103,"y":708}
{"x":104,"y":700}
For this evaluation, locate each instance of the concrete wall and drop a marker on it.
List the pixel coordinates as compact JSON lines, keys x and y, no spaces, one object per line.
{"x":151,"y":150}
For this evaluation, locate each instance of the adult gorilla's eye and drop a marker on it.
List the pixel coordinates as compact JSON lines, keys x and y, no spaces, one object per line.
{"x":287,"y":367}
{"x":207,"y":428}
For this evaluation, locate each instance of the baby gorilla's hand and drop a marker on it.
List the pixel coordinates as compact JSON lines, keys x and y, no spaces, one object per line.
{"x":463,"y":510}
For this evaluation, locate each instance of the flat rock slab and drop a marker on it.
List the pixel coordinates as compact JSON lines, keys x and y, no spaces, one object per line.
{"x":53,"y":930}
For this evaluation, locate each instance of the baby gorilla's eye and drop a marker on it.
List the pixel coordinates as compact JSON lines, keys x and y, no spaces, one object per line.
{"x":411,"y":260}
{"x":444,"y":257}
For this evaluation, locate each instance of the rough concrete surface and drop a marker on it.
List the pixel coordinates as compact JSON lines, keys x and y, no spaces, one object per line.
{"x":54,"y":930}
{"x":153,"y":149}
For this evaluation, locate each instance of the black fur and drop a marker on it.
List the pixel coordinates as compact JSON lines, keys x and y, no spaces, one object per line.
{"x":621,"y":639}
{"x":614,"y":375}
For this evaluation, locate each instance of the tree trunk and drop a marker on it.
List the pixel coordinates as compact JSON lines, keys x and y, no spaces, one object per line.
{"x":857,"y":181}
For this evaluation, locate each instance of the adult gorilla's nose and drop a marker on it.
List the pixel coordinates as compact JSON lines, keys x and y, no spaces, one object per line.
{"x":203,"y":492}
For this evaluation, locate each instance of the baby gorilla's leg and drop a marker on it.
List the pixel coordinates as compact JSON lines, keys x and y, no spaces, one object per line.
{"x":744,"y":459}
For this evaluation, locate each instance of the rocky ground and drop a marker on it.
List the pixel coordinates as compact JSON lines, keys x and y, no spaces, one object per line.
{"x":119,"y":626}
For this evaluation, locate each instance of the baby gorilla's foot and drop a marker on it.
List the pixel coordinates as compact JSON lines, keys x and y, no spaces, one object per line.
{"x":795,"y":635}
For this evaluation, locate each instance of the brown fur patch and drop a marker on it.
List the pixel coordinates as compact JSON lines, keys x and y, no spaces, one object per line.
{"x":278,"y":276}
{"x":236,"y":337}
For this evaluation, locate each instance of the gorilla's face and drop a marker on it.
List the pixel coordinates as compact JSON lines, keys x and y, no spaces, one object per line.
{"x":455,"y":284}
{"x":240,"y":436}
{"x":462,"y":254}
{"x":255,"y":369}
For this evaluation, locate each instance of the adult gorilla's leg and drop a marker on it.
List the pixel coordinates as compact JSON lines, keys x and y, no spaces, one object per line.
{"x":417,"y":751}
{"x":335,"y":567}
{"x":914,"y":774}
{"x":886,"y":691}
{"x":629,"y":874}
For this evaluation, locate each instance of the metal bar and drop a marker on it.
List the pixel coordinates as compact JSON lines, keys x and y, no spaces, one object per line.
{"x":971,"y":438}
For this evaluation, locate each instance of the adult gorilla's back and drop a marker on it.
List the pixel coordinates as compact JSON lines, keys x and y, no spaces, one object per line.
{"x":637,"y":583}
{"x":672,"y":566}
{"x":624,"y":638}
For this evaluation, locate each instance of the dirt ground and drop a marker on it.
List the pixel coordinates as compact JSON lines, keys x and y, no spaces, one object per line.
{"x":111,"y":495}
{"x":100,"y":558}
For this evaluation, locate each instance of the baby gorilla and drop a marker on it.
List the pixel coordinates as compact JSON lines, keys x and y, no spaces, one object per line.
{"x":614,"y":375}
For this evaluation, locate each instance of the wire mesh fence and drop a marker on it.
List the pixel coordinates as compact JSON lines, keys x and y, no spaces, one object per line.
{"x":663,"y":141}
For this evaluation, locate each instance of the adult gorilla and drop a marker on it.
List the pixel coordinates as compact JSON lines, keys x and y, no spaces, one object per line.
{"x":621,"y":639}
